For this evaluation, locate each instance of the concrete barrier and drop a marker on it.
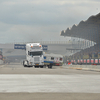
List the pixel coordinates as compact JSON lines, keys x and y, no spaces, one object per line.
{"x":83,"y":67}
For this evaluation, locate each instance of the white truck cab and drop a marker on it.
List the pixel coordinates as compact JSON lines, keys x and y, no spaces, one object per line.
{"x":34,"y":55}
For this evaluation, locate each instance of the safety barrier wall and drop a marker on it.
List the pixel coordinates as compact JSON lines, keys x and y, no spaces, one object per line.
{"x":84,"y":67}
{"x":86,"y":61}
{"x":1,"y":62}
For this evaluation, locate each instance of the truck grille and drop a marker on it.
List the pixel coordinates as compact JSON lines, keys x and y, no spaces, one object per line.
{"x":37,"y":59}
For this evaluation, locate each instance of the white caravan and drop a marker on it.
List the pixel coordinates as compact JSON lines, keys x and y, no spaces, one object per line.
{"x":54,"y":59}
{"x":34,"y":55}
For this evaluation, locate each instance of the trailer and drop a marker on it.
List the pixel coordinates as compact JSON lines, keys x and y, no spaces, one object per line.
{"x":53,"y":60}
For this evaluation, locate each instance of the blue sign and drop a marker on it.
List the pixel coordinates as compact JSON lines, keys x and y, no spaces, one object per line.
{"x":45,"y":47}
{"x":20,"y":46}
{"x":23,"y":46}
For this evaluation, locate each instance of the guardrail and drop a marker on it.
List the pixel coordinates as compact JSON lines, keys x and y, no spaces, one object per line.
{"x":50,"y":42}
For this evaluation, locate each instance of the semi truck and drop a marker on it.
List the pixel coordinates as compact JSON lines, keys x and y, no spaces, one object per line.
{"x":34,"y":55}
{"x":37,"y":58}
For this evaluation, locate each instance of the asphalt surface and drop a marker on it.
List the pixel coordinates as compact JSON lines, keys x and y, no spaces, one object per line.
{"x":22,"y":83}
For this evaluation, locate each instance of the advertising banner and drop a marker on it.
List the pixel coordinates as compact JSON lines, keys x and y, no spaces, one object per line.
{"x":88,"y":60}
{"x":23,"y":46}
{"x":84,"y":60}
{"x":1,"y":56}
{"x":78,"y":61}
{"x":96,"y":60}
{"x":92,"y":60}
{"x":99,"y":60}
{"x":72,"y":61}
{"x":20,"y":46}
{"x":81,"y":60}
{"x":45,"y":47}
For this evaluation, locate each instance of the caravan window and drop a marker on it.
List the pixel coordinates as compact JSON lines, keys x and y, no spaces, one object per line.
{"x":61,"y":59}
{"x":44,"y":57}
{"x":52,"y":58}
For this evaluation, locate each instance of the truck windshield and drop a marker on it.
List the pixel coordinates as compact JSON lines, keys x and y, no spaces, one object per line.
{"x":38,"y":53}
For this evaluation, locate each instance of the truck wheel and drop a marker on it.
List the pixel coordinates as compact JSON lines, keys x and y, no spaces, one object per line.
{"x":51,"y":66}
{"x":36,"y":66}
{"x":48,"y":66}
{"x":41,"y":66}
{"x":24,"y":64}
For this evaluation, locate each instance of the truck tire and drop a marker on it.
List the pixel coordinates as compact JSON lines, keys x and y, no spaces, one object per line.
{"x":41,"y":66}
{"x":31,"y":66}
{"x":24,"y":64}
{"x":48,"y":66}
{"x":51,"y":66}
{"x":27,"y":64}
{"x":36,"y":66}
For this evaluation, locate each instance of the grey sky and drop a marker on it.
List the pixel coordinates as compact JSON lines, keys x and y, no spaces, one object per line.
{"x":34,"y":20}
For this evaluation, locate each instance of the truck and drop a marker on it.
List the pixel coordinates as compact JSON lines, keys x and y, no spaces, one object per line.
{"x":34,"y":55}
{"x":37,"y":58}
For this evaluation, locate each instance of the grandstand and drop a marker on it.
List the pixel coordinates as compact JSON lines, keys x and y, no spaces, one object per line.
{"x":88,"y":30}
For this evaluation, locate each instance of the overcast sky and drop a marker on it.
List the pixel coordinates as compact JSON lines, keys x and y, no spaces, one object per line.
{"x":34,"y":20}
